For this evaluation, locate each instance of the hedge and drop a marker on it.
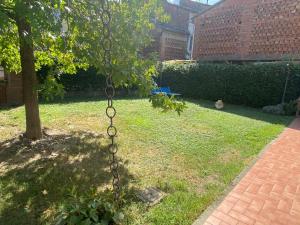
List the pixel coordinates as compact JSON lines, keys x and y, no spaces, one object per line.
{"x":253,"y":85}
{"x":88,"y":83}
{"x":84,"y":80}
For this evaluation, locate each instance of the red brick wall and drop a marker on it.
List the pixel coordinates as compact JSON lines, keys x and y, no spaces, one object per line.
{"x":170,"y":39}
{"x":179,"y":17}
{"x":173,"y":46}
{"x":14,"y":91}
{"x":249,"y":30}
{"x":2,"y":94}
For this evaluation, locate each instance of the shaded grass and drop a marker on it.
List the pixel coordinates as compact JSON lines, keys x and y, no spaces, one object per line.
{"x":193,"y":157}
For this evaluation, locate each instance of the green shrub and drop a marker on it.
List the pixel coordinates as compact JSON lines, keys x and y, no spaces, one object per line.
{"x":290,"y":108}
{"x":83,"y":81}
{"x":274,"y":109}
{"x":254,"y":85}
{"x":51,"y":89}
{"x":93,"y":211}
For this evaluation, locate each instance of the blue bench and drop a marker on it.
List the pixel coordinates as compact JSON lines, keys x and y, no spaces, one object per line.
{"x":164,"y":91}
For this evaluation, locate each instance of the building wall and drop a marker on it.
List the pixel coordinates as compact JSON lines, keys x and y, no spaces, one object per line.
{"x":11,"y":91}
{"x":173,"y":46}
{"x":174,"y":36}
{"x":168,"y":45}
{"x":249,"y":30}
{"x":179,"y":17}
{"x":14,"y":90}
{"x":170,"y":39}
{"x":2,"y":87}
{"x":2,"y":93}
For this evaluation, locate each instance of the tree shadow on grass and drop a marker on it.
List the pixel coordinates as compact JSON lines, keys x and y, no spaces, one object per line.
{"x":245,"y":111}
{"x":36,"y":178}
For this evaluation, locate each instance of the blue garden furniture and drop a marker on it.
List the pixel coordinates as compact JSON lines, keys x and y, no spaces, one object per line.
{"x":164,"y":91}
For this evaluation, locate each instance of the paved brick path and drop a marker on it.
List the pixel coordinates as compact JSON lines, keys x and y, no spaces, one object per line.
{"x":269,"y":194}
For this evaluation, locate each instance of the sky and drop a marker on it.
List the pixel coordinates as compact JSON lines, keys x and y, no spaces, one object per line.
{"x":211,"y":2}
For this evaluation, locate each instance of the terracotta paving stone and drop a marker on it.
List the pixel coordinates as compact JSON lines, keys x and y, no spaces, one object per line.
{"x":226,"y":206}
{"x":241,"y":217}
{"x":258,"y":223}
{"x":257,"y":205}
{"x":269,"y":194}
{"x":207,"y":223}
{"x":266,"y":188}
{"x":240,"y":206}
{"x":225,"y":218}
{"x":213,"y":220}
{"x":285,"y":205}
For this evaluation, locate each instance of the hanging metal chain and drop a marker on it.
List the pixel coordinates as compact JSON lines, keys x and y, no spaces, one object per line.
{"x":106,"y":19}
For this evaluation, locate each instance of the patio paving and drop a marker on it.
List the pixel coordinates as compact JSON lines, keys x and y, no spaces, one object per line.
{"x":269,"y":193}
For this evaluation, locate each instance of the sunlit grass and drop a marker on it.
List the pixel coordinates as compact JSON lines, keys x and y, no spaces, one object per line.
{"x":193,"y":158}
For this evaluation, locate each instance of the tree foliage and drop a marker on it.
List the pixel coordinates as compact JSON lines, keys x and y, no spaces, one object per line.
{"x":67,"y":35}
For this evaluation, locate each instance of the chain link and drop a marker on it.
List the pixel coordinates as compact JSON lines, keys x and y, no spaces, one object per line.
{"x":107,"y":43}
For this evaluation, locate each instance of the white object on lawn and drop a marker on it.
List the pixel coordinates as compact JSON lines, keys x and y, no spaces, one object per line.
{"x":219,"y":104}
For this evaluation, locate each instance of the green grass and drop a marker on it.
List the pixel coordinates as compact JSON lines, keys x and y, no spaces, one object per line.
{"x":193,"y":158}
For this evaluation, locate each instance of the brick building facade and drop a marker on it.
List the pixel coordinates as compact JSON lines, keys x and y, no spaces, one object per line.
{"x":173,"y":40}
{"x":11,"y":92}
{"x":263,"y":30}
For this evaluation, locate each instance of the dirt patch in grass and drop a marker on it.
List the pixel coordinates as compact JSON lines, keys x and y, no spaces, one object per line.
{"x":229,"y":155}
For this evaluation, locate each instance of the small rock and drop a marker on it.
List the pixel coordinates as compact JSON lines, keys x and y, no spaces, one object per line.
{"x":151,"y":196}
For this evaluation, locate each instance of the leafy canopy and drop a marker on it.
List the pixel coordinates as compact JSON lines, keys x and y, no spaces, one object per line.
{"x":67,"y":35}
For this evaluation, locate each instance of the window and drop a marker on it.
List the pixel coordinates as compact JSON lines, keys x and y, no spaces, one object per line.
{"x":1,"y":73}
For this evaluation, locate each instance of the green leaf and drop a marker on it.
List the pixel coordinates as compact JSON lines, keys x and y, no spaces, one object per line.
{"x":118,"y":217}
{"x":104,"y":222}
{"x":93,"y":215}
{"x":167,"y":103}
{"x":75,"y":219}
{"x":86,"y":222}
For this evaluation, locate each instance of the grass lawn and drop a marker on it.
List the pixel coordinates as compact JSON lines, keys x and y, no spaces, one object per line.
{"x":193,"y":158}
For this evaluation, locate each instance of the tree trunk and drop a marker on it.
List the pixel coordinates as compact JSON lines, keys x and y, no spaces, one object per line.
{"x":33,"y":123}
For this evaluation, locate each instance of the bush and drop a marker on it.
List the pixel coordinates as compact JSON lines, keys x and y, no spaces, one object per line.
{"x":254,"y":85}
{"x":290,"y":108}
{"x":91,"y":211}
{"x":287,"y":109}
{"x":274,"y":109}
{"x":83,"y":81}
